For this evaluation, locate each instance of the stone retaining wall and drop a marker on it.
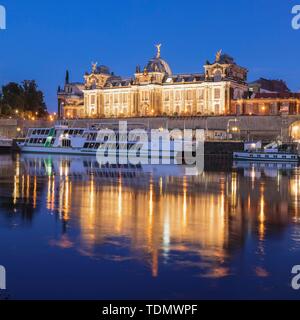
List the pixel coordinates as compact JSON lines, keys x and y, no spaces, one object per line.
{"x":252,"y":127}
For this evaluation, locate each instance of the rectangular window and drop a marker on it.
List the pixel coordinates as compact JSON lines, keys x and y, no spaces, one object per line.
{"x":116,"y":98}
{"x":200,"y":94}
{"x":189,"y":95}
{"x":125,"y":98}
{"x":93,"y":99}
{"x":167,"y":96}
{"x":217,"y":93}
{"x":145,"y":96}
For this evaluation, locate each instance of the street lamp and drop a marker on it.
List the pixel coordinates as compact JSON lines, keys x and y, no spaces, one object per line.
{"x":233,"y":129}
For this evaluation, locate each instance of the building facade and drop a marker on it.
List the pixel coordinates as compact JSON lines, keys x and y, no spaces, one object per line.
{"x":155,"y":91}
{"x":70,"y":99}
{"x":268,"y":104}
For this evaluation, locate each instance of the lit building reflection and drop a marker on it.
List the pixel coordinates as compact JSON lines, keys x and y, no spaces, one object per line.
{"x":159,"y":215}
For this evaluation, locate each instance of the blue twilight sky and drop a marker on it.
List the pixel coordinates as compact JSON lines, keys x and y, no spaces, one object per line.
{"x":44,"y":38}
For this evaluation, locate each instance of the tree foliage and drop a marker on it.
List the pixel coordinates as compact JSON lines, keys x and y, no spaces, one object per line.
{"x":24,"y":97}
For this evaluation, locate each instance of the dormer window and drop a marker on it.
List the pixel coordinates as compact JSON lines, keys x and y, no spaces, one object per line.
{"x":218,"y":76}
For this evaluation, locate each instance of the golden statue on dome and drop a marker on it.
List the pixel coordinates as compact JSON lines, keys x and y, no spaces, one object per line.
{"x":218,"y":55}
{"x":94,"y":66}
{"x":158,"y":47}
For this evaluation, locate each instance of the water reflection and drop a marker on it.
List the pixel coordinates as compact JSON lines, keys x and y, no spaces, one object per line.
{"x":155,"y":215}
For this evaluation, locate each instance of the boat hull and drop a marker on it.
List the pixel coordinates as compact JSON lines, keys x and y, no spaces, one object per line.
{"x":266,"y":157}
{"x":79,"y":151}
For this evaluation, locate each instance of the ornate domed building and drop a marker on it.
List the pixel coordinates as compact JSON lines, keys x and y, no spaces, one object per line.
{"x":155,"y":90}
{"x":157,"y":64}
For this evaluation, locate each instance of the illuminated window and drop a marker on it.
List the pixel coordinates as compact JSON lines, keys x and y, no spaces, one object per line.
{"x":217,"y":93}
{"x":145,"y":95}
{"x":200,"y":94}
{"x":125,"y":98}
{"x":116,"y":98}
{"x":167,"y":96}
{"x":107,"y":99}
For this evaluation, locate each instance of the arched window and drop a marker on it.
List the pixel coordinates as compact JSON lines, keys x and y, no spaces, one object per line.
{"x":218,"y":76}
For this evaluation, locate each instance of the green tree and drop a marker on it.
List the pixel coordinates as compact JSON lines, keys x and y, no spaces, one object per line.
{"x":24,"y":97}
{"x":12,"y":97}
{"x":33,"y":98}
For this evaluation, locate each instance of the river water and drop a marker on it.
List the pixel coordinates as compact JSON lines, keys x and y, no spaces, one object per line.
{"x":69,"y":229}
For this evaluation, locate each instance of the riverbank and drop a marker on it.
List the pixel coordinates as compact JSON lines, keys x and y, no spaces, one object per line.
{"x":265,"y":128}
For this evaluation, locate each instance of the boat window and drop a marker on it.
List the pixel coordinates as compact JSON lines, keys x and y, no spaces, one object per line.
{"x":97,"y":145}
{"x":44,"y":141}
{"x":34,"y":132}
{"x":81,"y":132}
{"x":42,"y":132}
{"x":31,"y":140}
{"x":86,"y":145}
{"x":39,"y":132}
{"x":283,"y":157}
{"x":66,"y":143}
{"x":53,"y":140}
{"x":71,"y":132}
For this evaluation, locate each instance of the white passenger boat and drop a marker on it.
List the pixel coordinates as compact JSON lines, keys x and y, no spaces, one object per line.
{"x":62,"y":139}
{"x":274,"y":152}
